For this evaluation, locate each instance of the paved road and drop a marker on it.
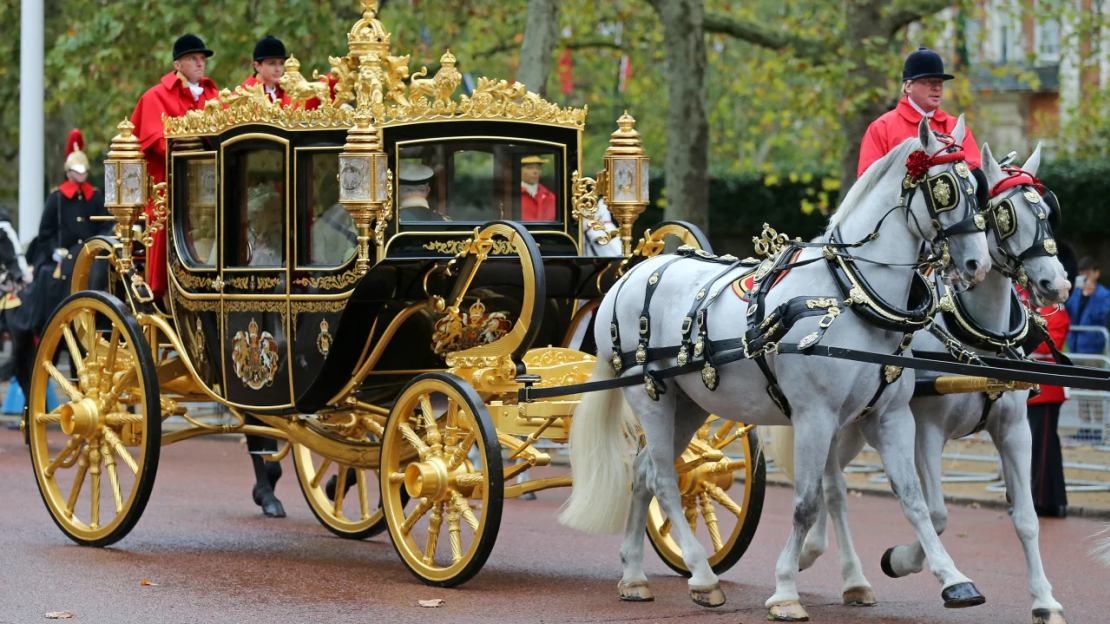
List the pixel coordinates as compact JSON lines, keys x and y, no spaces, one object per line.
{"x":216,"y":559}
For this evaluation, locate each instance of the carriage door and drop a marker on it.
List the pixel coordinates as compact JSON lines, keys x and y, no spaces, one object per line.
{"x":255,"y":271}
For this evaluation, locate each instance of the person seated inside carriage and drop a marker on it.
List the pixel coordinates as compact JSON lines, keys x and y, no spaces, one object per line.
{"x":415,"y":186}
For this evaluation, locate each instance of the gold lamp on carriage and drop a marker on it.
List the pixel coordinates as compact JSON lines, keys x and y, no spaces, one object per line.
{"x":365,"y":183}
{"x":125,"y":187}
{"x":624,"y":182}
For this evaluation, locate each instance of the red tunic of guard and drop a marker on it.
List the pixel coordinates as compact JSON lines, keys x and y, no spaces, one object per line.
{"x":540,"y":207}
{"x":170,"y":97}
{"x":888,"y":131}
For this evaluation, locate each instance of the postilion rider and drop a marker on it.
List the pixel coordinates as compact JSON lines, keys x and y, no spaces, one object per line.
{"x":269,"y":66}
{"x":923,"y":79}
{"x":182,"y":90}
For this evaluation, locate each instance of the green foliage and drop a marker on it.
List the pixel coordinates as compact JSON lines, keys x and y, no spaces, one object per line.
{"x":1082,"y":186}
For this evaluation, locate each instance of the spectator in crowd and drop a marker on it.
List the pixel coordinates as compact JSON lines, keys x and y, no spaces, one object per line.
{"x":1050,"y":499}
{"x":1089,"y":305}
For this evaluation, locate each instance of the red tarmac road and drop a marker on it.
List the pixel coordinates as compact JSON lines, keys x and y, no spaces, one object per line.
{"x":215,"y":558}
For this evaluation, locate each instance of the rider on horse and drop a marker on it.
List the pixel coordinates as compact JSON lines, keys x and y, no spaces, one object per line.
{"x":923,"y":80}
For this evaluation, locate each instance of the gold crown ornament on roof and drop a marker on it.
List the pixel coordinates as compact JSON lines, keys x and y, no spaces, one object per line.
{"x":369,"y":76}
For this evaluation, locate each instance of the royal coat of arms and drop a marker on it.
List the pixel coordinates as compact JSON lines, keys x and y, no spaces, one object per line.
{"x":255,"y":356}
{"x":458,"y":333}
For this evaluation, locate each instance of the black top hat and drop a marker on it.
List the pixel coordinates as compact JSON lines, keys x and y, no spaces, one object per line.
{"x":924,"y":63}
{"x":188,"y":44}
{"x":269,"y":47}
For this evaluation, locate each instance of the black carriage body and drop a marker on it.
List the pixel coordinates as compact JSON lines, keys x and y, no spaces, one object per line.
{"x":263,"y":280}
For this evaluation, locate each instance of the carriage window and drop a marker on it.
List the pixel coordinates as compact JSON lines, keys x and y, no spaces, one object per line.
{"x":329,"y":234}
{"x":199,"y":227}
{"x":479,"y":180}
{"x":254,"y":207}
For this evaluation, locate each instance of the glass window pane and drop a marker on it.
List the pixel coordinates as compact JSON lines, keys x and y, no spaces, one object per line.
{"x":254,"y":208}
{"x":479,"y":180}
{"x":330,"y":238}
{"x":200,"y":212}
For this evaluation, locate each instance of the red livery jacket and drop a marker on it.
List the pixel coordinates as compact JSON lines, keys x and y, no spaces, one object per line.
{"x":888,"y":131}
{"x":170,"y":97}
{"x":1059,"y":323}
{"x":538,"y":208}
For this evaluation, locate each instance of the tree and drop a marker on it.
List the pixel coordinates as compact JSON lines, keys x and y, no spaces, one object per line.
{"x":540,"y":37}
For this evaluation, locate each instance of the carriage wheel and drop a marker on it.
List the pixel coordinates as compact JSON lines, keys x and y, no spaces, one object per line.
{"x":728,"y":519}
{"x":321,"y":480}
{"x":456,"y":482}
{"x":95,"y":456}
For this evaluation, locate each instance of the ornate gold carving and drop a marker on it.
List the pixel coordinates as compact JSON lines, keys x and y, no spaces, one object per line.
{"x":196,"y":305}
{"x":807,"y":340}
{"x":821,"y":303}
{"x":770,"y":242}
{"x":255,"y":357}
{"x":158,"y":220}
{"x":199,"y":354}
{"x":615,"y":361}
{"x":980,"y":221}
{"x":947,"y":303}
{"x":891,"y":373}
{"x":189,"y":280}
{"x":461,"y":331}
{"x":1050,"y":246}
{"x":641,"y":353}
{"x":252,"y":96}
{"x":1032,"y":197}
{"x":253,"y":282}
{"x":942,"y":192}
{"x":649,"y":386}
{"x":709,"y":376}
{"x":683,"y":356}
{"x":299,"y":90}
{"x":585,"y":205}
{"x":962,"y":170}
{"x":497,"y":247}
{"x":218,"y":283}
{"x":323,"y":339}
{"x":300,"y":307}
{"x":552,"y":356}
{"x":1003,"y":217}
{"x":253,"y":305}
{"x":575,"y":376}
{"x":329,"y":282}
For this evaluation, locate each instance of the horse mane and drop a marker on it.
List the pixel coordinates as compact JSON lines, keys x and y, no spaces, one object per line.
{"x":870,"y":179}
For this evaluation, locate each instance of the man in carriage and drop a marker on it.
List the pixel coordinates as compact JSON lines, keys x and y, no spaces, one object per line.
{"x":537,"y":203}
{"x":184,"y":89}
{"x":923,"y":79}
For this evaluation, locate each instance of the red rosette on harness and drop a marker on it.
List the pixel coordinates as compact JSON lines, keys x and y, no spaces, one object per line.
{"x":918,"y":162}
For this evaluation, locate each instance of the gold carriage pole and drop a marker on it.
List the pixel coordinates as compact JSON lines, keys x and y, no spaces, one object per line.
{"x":125,"y":188}
{"x":624,"y":181}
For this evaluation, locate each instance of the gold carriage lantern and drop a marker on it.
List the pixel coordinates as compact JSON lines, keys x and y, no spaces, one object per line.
{"x":125,"y":188}
{"x":365,"y":183}
{"x":624,"y":181}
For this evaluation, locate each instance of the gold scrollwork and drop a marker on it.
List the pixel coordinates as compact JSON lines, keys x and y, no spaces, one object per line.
{"x":329,"y":282}
{"x":770,"y":242}
{"x":158,"y":222}
{"x":303,"y":307}
{"x":456,"y":247}
{"x":891,"y":373}
{"x":189,"y":280}
{"x":255,"y":356}
{"x":323,"y":339}
{"x":253,"y":282}
{"x":821,"y":303}
{"x":585,"y":205}
{"x":251,"y":305}
{"x":196,"y":305}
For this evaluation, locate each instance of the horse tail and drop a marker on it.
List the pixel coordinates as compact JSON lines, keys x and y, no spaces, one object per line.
{"x":603,"y":438}
{"x":781,"y":441}
{"x":1101,"y":551}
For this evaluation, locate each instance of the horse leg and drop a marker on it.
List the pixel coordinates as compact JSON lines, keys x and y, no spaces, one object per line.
{"x":901,"y":561}
{"x":846,"y":445}
{"x":658,"y":420}
{"x":892,"y":434}
{"x":813,"y":435}
{"x":1014,"y":442}
{"x":817,"y":540}
{"x":634,"y":584}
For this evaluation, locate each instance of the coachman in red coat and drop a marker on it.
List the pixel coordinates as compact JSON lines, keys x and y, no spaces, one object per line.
{"x":923,"y":80}
{"x":537,"y":203}
{"x":179,"y":92}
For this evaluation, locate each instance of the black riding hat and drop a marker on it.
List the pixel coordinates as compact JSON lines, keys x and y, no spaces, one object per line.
{"x":924,"y":63}
{"x":269,"y":47}
{"x":188,"y":44}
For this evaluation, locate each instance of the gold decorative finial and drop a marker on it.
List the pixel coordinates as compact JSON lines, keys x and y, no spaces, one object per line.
{"x":125,"y":144}
{"x":368,"y":34}
{"x":626,"y":140}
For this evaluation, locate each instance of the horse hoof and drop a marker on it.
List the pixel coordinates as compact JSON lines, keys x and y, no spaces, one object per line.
{"x":859,"y":597}
{"x":961,"y":596}
{"x":635,"y":591}
{"x":1048,"y":616}
{"x":711,"y":596}
{"x":885,"y":564}
{"x":272,"y":507}
{"x":791,"y":611}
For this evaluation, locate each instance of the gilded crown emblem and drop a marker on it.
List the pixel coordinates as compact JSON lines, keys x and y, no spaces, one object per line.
{"x":323,"y":339}
{"x":255,"y":356}
{"x":463,"y":330}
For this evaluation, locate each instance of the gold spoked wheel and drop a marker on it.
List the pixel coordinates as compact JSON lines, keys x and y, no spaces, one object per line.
{"x":95,"y":456}
{"x":345,"y":499}
{"x":707,"y":481}
{"x":455,"y":481}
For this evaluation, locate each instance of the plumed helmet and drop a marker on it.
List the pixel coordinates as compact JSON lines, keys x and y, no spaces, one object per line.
{"x":269,"y":47}
{"x":76,"y":160}
{"x":188,"y":44}
{"x":924,"y":63}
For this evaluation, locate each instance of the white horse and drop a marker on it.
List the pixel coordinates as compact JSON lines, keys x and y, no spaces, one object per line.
{"x":825,"y":396}
{"x":952,"y":416}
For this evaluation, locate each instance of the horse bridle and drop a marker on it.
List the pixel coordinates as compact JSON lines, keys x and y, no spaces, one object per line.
{"x":942,"y":192}
{"x":1002,"y":215}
